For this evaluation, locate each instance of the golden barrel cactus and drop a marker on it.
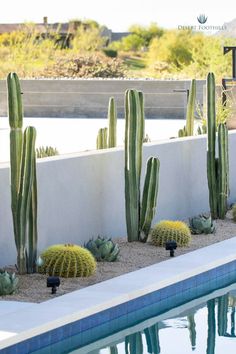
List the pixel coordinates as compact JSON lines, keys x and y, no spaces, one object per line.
{"x":67,"y":261}
{"x":167,"y":230}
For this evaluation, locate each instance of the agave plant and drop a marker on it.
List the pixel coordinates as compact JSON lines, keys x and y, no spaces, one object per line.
{"x":103,"y":249}
{"x":8,"y":282}
{"x":202,"y":224}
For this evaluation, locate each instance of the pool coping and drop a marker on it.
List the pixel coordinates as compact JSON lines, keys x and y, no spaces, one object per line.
{"x":36,"y":319}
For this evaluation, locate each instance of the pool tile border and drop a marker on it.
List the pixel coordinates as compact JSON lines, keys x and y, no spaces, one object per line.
{"x":220,"y":270}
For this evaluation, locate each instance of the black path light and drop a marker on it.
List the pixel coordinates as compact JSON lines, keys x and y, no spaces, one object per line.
{"x":171,"y":246}
{"x":53,"y":282}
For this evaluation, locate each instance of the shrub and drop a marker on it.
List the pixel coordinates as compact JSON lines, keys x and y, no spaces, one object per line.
{"x":103,"y":249}
{"x":87,"y":66}
{"x":171,"y":230}
{"x":111,"y":53}
{"x":67,"y":261}
{"x":8,"y":283}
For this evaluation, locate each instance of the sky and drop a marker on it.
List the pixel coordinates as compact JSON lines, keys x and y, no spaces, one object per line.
{"x":120,"y":14}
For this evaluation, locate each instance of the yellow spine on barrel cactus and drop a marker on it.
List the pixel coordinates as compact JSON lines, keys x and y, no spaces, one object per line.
{"x":67,"y":261}
{"x":168,"y":230}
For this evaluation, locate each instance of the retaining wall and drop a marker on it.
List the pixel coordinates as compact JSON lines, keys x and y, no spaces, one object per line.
{"x":89,"y":98}
{"x":82,"y":195}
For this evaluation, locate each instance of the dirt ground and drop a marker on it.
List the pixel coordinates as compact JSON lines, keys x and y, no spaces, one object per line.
{"x":133,"y":256}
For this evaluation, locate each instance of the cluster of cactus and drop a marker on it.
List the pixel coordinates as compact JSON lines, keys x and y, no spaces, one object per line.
{"x":188,"y":130}
{"x":8,"y":283}
{"x":103,"y":249}
{"x":167,"y":230}
{"x":68,"y":261}
{"x":106,"y":138}
{"x":45,"y":151}
{"x":202,"y":224}
{"x":139,"y":214}
{"x":217,"y":168}
{"x":202,"y":130}
{"x":23,"y":180}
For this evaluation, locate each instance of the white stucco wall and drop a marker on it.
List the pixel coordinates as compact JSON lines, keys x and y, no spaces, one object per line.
{"x":82,"y":195}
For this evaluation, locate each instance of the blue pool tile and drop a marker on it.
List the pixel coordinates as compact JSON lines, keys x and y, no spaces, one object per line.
{"x":79,"y":332}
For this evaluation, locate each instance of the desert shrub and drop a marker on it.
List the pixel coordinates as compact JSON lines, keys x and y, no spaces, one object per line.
{"x":87,"y":66}
{"x":67,"y":261}
{"x":168,"y":230}
{"x":111,"y":53}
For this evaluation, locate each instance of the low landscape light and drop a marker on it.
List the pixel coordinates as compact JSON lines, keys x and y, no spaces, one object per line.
{"x":171,"y":246}
{"x":53,"y":282}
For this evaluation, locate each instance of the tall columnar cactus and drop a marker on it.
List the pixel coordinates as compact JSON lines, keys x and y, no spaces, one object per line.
{"x":106,"y":137}
{"x":112,"y":122}
{"x":191,"y":108}
{"x":23,"y":180}
{"x":188,"y":130}
{"x":102,"y":139}
{"x":138,"y":215}
{"x":217,"y":168}
{"x":149,"y":198}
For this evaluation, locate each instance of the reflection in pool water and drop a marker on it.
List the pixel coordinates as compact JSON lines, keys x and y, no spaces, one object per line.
{"x":213,"y":323}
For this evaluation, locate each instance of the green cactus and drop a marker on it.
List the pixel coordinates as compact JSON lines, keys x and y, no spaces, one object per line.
{"x":106,"y":137}
{"x":112,"y":122}
{"x":148,"y":204}
{"x":67,"y":261}
{"x":138,"y":215}
{"x":23,"y":180}
{"x":167,"y":230}
{"x":202,"y":224}
{"x":188,"y":129}
{"x":8,"y":283}
{"x":45,"y":151}
{"x":191,"y":108}
{"x":102,"y":139}
{"x":103,"y":249}
{"x":182,"y":132}
{"x":217,"y":168}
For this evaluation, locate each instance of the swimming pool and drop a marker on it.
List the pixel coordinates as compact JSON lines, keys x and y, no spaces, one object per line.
{"x":146,"y":296}
{"x":204,"y":325}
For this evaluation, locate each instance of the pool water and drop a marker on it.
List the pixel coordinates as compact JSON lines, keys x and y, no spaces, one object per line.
{"x":204,"y":325}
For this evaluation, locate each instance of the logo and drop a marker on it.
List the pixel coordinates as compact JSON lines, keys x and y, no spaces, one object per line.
{"x":202,"y":18}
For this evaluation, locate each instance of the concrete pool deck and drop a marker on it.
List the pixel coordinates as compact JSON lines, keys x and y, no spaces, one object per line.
{"x":20,"y":321}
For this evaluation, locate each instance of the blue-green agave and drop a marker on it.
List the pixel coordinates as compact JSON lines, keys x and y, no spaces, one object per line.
{"x":202,"y":224}
{"x":103,"y":249}
{"x":8,"y":283}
